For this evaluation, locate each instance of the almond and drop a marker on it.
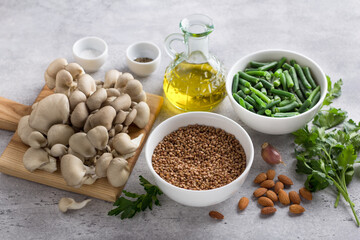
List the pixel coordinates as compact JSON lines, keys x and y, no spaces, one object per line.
{"x":270,"y":174}
{"x":243,"y":203}
{"x":216,"y":215}
{"x":260,"y":178}
{"x":278,"y":186}
{"x":265,"y":201}
{"x":296,"y":209}
{"x":268,"y":210}
{"x":284,"y":197}
{"x":272,"y":195}
{"x":259,"y":192}
{"x":294,"y":197}
{"x":267,"y":184}
{"x":305,"y":193}
{"x":285,"y":180}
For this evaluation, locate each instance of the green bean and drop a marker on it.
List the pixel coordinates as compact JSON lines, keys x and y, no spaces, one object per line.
{"x":235,"y":83}
{"x":249,"y":106}
{"x":252,"y":101}
{"x":265,"y":74}
{"x":268,"y":112}
{"x":303,"y":89}
{"x":244,"y":82}
{"x":260,"y":95}
{"x":256,"y":64}
{"x":276,"y":97}
{"x":293,"y":75}
{"x":297,"y":99}
{"x":248,"y":77}
{"x":313,"y":93}
{"x":278,"y":72}
{"x":283,"y":81}
{"x":282,"y":93}
{"x":258,"y":100}
{"x":305,"y":105}
{"x":292,"y":62}
{"x":241,"y":93}
{"x":302,"y":76}
{"x":277,"y":82}
{"x":239,"y":99}
{"x":268,"y":66}
{"x":300,"y":95}
{"x":286,"y":114}
{"x":259,"y":85}
{"x":269,"y":105}
{"x":308,"y":76}
{"x":286,"y":66}
{"x":263,"y":90}
{"x":289,"y":80}
{"x":280,"y":63}
{"x":315,"y":100}
{"x":250,"y":69}
{"x":266,"y":84}
{"x":287,"y":108}
{"x":286,"y":102}
{"x":244,"y":89}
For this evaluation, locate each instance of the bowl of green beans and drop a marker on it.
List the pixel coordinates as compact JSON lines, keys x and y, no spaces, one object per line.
{"x":276,"y":91}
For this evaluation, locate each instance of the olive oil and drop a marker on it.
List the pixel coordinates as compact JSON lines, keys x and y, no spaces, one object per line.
{"x":194,"y":87}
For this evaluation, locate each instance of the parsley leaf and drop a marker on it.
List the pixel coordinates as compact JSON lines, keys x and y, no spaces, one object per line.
{"x":128,"y":208}
{"x":333,"y":91}
{"x":330,"y":118}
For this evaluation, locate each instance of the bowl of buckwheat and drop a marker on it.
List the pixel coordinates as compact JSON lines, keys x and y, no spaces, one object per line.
{"x":199,"y":158}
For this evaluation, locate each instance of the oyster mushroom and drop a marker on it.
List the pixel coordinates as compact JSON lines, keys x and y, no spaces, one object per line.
{"x":69,"y":203}
{"x":120,"y":117}
{"x":37,"y":140}
{"x":75,"y":70}
{"x":123,"y":80}
{"x":59,"y":133}
{"x":133,"y":88}
{"x":64,"y":81}
{"x":122,"y":102}
{"x":74,"y":172}
{"x":98,"y":137}
{"x":118,"y":172}
{"x":123,"y":144}
{"x":102,"y":164}
{"x":58,"y":150}
{"x":143,"y":114}
{"x":86,"y":84}
{"x":112,"y":92}
{"x":81,"y":144}
{"x":38,"y":158}
{"x":30,"y":136}
{"x":75,"y":98}
{"x":51,"y":110}
{"x":79,"y":115}
{"x":96,"y":99}
{"x":111,"y":78}
{"x":53,"y":68}
{"x":103,"y":117}
{"x":140,"y":98}
{"x":130,"y":117}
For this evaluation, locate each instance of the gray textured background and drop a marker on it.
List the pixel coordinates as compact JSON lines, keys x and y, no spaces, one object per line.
{"x":33,"y":33}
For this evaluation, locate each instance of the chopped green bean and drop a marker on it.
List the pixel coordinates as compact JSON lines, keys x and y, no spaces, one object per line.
{"x":252,"y":101}
{"x":282,"y":93}
{"x":278,"y":72}
{"x":286,"y":102}
{"x":265,"y":74}
{"x":283,"y":81}
{"x":292,"y":62}
{"x":280,"y":63}
{"x":248,"y":77}
{"x":286,"y":114}
{"x":300,"y":95}
{"x":293,"y":75}
{"x":268,"y":112}
{"x":277,"y":97}
{"x":244,"y":82}
{"x":289,"y":80}
{"x":250,"y":69}
{"x":241,"y":93}
{"x":244,"y":89}
{"x":287,"y":108}
{"x":269,"y":105}
{"x":313,"y":93}
{"x":259,"y":85}
{"x":249,"y":106}
{"x":315,"y":99}
{"x":303,"y":90}
{"x":266,"y":84}
{"x":235,"y":83}
{"x":258,"y":100}
{"x":308,"y":76}
{"x":268,"y":66}
{"x":276,"y":82}
{"x":305,"y":105}
{"x":260,"y":95}
{"x":302,"y":76}
{"x":286,"y":66}
{"x":263,"y":90}
{"x":239,"y":99}
{"x":256,"y":64}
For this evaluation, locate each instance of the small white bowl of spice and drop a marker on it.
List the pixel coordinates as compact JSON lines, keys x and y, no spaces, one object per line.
{"x":199,"y":159}
{"x":90,"y":52}
{"x":143,"y":58}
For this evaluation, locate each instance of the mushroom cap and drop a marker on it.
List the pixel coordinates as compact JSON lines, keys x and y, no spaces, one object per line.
{"x":86,"y":84}
{"x":140,"y":98}
{"x":69,"y":203}
{"x":72,"y":170}
{"x":133,"y":88}
{"x":103,"y":117}
{"x":111,"y":78}
{"x":120,"y":117}
{"x":112,"y":92}
{"x":123,"y":80}
{"x":81,"y":144}
{"x":143,"y":114}
{"x":122,"y":102}
{"x":79,"y":115}
{"x":51,"y":110}
{"x":118,"y":172}
{"x":58,"y":150}
{"x":98,"y":136}
{"x":123,"y":144}
{"x":59,"y":133}
{"x":96,"y":99}
{"x":102,"y":164}
{"x":37,"y":140}
{"x":55,"y":66}
{"x":75,"y":98}
{"x":74,"y":69}
{"x":24,"y":129}
{"x":130,"y":117}
{"x":49,"y":81}
{"x":34,"y":158}
{"x":63,"y":83}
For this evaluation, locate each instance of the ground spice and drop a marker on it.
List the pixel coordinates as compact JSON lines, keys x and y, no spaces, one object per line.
{"x":199,"y":157}
{"x":143,"y":59}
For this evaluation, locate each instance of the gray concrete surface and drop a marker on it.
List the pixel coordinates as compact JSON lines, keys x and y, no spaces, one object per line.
{"x":33,"y":33}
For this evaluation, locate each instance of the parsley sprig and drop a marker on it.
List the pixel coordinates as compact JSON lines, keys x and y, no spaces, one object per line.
{"x":327,"y":154}
{"x":128,"y":208}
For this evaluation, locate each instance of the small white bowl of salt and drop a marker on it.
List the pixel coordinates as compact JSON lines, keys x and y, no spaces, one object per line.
{"x":90,"y":52}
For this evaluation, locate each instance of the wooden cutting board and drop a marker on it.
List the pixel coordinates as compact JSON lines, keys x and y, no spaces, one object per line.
{"x":11,"y":159}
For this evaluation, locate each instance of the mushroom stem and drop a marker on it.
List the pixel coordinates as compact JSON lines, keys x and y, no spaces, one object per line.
{"x":69,"y":203}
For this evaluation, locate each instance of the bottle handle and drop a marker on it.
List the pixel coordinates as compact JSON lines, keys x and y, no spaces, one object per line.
{"x":168,"y":41}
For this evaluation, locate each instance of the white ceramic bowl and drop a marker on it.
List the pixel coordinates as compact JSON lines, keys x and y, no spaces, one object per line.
{"x":201,"y":198}
{"x":90,"y":52}
{"x":270,"y":125}
{"x":141,"y":50}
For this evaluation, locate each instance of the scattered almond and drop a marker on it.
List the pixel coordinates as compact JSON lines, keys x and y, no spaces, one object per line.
{"x":267,"y":184}
{"x":259,"y":192}
{"x":265,"y":201}
{"x":284,"y":197}
{"x":216,"y":215}
{"x":243,"y":203}
{"x":296,"y":209}
{"x":272,"y":195}
{"x":270,"y":174}
{"x":260,"y":178}
{"x":268,"y":210}
{"x":278,"y":186}
{"x":285,"y":180}
{"x":305,"y":193}
{"x":294,"y":197}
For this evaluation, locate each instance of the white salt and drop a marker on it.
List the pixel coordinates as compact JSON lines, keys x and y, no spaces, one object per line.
{"x":89,"y":53}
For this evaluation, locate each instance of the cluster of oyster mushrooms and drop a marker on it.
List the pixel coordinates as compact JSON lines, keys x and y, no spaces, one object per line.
{"x":84,"y":125}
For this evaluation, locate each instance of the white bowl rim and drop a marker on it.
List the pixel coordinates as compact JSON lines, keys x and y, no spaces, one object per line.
{"x":247,"y":168}
{"x":230,"y":78}
{"x":142,"y":42}
{"x":87,"y":38}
